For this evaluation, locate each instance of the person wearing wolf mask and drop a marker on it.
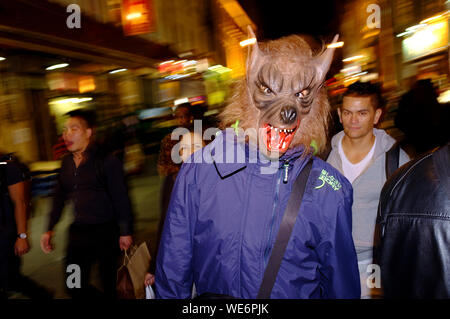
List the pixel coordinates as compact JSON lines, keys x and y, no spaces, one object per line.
{"x":225,"y":210}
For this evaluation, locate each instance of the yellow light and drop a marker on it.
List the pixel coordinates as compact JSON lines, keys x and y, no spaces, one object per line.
{"x":165,"y":62}
{"x":336,"y":45}
{"x":424,"y":38}
{"x":444,"y":97}
{"x":403,"y":34}
{"x":72,"y":100}
{"x":352,"y":69}
{"x":431,"y":19}
{"x":353,"y":58}
{"x":132,"y":16}
{"x":437,"y":17}
{"x":86,"y":84}
{"x":2,"y":58}
{"x":181,"y":101}
{"x":247,"y":42}
{"x":371,"y":34}
{"x":215,"y":67}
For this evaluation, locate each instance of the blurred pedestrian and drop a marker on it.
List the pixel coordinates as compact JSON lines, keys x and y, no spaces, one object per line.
{"x":14,"y":206}
{"x":414,"y":220}
{"x":189,"y":143}
{"x":359,"y":152}
{"x":166,"y":167}
{"x":103,"y":218}
{"x":422,"y":118}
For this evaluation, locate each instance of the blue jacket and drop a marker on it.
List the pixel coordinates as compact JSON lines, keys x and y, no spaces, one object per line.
{"x":223,"y":219}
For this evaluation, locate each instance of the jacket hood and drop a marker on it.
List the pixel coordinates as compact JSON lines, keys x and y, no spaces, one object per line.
{"x":383,"y":142}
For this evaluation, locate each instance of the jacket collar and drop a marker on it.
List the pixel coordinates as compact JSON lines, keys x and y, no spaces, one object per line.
{"x":241,"y":154}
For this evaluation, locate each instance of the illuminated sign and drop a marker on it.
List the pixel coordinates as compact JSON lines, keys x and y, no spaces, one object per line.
{"x":427,"y":40}
{"x":137,"y":17}
{"x":86,"y":84}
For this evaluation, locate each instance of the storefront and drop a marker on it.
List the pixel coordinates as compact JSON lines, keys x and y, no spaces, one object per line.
{"x":425,"y":51}
{"x":47,"y":69}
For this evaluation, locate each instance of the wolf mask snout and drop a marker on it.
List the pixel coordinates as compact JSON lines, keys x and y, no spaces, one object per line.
{"x":288,"y":115}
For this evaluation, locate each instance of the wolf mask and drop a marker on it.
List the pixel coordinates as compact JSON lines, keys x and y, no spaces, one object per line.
{"x":282,"y":97}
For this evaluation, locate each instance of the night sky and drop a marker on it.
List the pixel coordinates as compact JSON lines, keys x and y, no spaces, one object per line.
{"x":277,"y":18}
{"x":317,"y":18}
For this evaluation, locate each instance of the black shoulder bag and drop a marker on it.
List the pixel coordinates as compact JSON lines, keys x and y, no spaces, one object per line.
{"x":392,"y":160}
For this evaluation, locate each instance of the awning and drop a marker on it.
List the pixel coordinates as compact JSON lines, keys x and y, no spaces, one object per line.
{"x":41,"y":26}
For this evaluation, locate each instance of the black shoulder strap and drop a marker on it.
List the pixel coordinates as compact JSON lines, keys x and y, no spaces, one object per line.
{"x":392,"y":160}
{"x":441,"y":160}
{"x":284,"y":233}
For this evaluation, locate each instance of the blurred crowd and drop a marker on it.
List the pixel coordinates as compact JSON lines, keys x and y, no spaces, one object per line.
{"x":421,"y":118}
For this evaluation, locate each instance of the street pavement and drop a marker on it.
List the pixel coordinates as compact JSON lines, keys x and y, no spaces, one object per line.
{"x":47,"y":270}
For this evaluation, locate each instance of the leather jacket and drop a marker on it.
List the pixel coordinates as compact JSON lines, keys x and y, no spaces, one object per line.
{"x":414,"y":225}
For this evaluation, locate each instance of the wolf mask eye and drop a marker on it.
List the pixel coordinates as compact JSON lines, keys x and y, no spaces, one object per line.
{"x":265,"y":89}
{"x":302,"y":93}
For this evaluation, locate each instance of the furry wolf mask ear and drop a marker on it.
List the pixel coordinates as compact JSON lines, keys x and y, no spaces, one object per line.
{"x":282,"y":97}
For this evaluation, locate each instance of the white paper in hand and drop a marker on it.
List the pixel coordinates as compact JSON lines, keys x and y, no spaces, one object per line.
{"x":149,"y":293}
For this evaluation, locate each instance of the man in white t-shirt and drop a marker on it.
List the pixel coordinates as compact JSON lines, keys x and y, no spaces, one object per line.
{"x":359,"y":153}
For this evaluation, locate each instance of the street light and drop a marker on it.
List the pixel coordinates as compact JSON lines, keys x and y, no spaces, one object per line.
{"x":117,"y":71}
{"x":57,"y":66}
{"x":353,"y":58}
{"x":247,"y":42}
{"x":336,"y":45}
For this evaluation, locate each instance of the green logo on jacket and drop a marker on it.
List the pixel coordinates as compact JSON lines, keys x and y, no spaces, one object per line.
{"x":329,"y":179}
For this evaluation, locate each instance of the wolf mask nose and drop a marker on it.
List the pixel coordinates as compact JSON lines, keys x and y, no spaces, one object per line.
{"x":288,"y":115}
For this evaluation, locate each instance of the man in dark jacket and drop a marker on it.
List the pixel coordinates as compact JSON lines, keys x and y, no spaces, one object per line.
{"x":414,"y":224}
{"x":103,"y":218}
{"x":13,"y":223}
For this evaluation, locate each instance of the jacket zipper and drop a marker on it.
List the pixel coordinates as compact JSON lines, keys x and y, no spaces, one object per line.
{"x":274,"y":208}
{"x":249,"y":183}
{"x":286,"y":170}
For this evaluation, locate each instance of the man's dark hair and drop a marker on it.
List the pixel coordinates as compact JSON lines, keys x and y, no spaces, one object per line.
{"x":87,"y":116}
{"x":185,"y":105}
{"x":363,"y":89}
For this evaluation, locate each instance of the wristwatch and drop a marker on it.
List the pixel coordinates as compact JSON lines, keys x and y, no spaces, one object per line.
{"x":22,"y":235}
